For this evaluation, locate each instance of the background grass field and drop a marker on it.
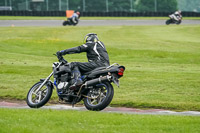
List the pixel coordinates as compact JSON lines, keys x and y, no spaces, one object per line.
{"x":162,"y":62}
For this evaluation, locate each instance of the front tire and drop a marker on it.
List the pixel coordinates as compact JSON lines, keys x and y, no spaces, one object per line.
{"x":65,"y":23}
{"x":37,"y":100}
{"x":100,"y":97}
{"x":168,"y":21}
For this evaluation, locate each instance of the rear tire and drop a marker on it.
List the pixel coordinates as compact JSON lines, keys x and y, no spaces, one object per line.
{"x":179,"y":22}
{"x":74,"y":24}
{"x":34,"y":100}
{"x":103,"y":92}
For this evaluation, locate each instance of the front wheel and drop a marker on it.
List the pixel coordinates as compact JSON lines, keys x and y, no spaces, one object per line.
{"x":65,"y":23}
{"x":36,"y":100}
{"x":99,"y":97}
{"x":168,"y":22}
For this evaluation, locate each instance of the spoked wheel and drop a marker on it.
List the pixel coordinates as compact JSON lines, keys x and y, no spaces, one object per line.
{"x":99,"y":97}
{"x":36,"y":100}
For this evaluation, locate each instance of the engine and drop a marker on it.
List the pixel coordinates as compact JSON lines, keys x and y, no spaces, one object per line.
{"x":61,"y":76}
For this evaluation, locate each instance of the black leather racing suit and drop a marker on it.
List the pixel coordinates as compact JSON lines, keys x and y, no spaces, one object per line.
{"x":96,"y":54}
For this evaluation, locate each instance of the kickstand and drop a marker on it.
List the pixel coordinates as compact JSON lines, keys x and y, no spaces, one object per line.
{"x":73,"y":102}
{"x":78,"y":96}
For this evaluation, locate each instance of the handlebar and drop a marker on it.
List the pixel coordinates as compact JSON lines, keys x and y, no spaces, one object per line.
{"x":61,"y":59}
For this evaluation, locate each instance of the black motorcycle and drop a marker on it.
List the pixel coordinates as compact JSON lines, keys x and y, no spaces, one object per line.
{"x":172,"y":20}
{"x":96,"y":91}
{"x":69,"y":21}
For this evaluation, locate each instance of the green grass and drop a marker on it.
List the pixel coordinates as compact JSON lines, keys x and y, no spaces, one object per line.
{"x":89,"y":18}
{"x":53,"y":121}
{"x":162,"y":62}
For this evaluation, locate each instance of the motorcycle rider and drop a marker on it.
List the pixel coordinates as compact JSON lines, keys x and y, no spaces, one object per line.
{"x":96,"y":53}
{"x":75,"y":17}
{"x":177,"y":15}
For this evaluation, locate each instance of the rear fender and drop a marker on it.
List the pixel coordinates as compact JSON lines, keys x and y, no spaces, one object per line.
{"x":113,"y":69}
{"x":97,"y":73}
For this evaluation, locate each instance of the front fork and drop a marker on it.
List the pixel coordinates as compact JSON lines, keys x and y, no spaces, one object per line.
{"x":47,"y":79}
{"x":44,"y":82}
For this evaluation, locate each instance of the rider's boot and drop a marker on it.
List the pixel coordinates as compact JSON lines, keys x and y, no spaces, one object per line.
{"x":76,"y":80}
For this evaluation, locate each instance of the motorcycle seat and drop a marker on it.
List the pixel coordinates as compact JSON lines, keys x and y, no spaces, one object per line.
{"x":96,"y":69}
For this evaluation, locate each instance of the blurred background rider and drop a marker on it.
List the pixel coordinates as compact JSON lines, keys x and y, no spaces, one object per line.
{"x":177,"y":15}
{"x":75,"y":17}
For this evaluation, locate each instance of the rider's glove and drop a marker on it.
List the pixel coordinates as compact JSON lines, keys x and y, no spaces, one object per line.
{"x":60,"y":59}
{"x":59,"y":53}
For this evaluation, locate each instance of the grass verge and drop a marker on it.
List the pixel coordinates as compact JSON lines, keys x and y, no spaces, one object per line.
{"x":52,"y":121}
{"x":162,"y":62}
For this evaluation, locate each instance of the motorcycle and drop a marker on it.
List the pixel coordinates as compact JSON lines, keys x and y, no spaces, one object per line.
{"x":69,"y":21}
{"x":96,"y":91}
{"x":173,"y":20}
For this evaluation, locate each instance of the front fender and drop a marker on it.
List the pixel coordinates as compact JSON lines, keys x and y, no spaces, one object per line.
{"x":49,"y":83}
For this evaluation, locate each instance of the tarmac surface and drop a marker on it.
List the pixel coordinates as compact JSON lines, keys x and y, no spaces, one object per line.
{"x":23,"y":105}
{"x":51,"y":23}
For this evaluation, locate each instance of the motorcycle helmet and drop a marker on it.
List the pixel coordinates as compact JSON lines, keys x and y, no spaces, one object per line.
{"x":78,"y":13}
{"x":90,"y":37}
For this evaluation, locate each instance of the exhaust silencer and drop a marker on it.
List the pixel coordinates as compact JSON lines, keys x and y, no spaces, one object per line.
{"x":97,"y":80}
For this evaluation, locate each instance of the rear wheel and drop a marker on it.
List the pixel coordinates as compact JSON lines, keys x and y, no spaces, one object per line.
{"x":36,"y":100}
{"x":74,"y":24}
{"x":179,"y":22}
{"x":99,"y":97}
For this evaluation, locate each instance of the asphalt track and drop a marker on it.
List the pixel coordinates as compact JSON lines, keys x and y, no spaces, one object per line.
{"x":23,"y":105}
{"x":51,"y":23}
